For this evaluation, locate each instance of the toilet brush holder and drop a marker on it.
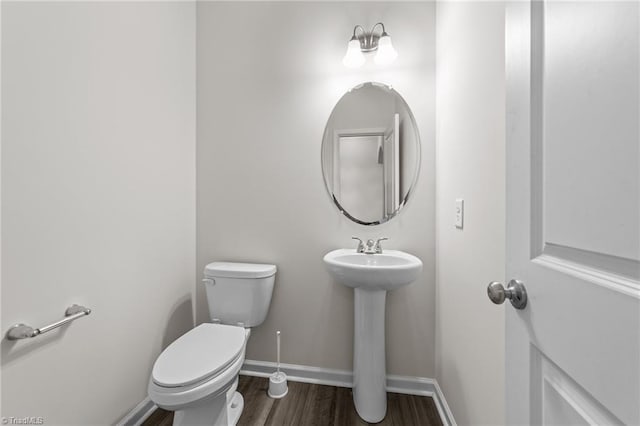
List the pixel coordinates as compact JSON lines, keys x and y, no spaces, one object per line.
{"x":278,"y":385}
{"x":278,"y":380}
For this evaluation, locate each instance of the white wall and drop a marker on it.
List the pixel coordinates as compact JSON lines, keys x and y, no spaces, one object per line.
{"x":269,"y":75}
{"x":471,"y":165}
{"x":98,"y":200}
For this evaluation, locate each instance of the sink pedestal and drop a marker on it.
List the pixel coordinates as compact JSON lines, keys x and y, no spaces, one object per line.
{"x":371,"y":276}
{"x":369,"y":369}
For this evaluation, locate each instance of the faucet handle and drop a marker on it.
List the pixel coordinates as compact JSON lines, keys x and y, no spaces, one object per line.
{"x":378,"y":245}
{"x":360,"y":248}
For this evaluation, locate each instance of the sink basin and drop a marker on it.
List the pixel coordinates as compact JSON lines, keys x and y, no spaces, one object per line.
{"x":371,"y":276}
{"x":384,"y":271}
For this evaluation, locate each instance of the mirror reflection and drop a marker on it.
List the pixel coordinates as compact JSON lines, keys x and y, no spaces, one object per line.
{"x":370,"y":153}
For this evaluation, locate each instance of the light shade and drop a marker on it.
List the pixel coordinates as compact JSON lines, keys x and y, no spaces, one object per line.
{"x":354,"y":57}
{"x":386,"y":53}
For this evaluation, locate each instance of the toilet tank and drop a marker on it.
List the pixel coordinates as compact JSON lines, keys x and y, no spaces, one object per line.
{"x":239,"y":293}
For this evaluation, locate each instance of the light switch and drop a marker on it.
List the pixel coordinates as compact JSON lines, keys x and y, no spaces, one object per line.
{"x":459,"y":213}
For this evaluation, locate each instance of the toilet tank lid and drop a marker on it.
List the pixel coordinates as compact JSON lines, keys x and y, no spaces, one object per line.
{"x":239,"y":270}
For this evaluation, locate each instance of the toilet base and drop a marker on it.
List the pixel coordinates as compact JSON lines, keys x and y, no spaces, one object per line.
{"x":234,"y":409}
{"x":220,"y":411}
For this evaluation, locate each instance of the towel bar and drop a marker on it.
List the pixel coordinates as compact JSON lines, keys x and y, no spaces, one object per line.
{"x":23,"y":331}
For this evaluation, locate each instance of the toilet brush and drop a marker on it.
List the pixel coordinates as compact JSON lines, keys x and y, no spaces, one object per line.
{"x":278,"y":380}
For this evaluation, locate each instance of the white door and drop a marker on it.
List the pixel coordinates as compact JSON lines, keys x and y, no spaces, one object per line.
{"x":573,"y":212}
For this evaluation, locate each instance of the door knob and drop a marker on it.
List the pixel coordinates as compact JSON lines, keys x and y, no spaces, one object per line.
{"x":515,"y":292}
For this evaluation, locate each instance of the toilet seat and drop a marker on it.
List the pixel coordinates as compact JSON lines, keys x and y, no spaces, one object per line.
{"x":179,"y":398}
{"x":201,"y":354}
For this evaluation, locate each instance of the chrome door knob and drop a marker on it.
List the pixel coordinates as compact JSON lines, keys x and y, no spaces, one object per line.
{"x":515,"y":292}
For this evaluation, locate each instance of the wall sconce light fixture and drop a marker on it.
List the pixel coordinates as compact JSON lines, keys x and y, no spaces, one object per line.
{"x":367,"y":42}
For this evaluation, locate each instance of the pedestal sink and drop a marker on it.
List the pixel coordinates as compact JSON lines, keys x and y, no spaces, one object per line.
{"x":371,"y":276}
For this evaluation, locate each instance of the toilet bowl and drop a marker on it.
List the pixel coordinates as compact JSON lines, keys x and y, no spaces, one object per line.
{"x":197,"y":375}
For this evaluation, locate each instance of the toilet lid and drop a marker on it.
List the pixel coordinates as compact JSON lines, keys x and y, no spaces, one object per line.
{"x":202,"y":352}
{"x":239,"y":270}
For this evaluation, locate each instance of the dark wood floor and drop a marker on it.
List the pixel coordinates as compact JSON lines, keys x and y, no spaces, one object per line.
{"x":307,"y":405}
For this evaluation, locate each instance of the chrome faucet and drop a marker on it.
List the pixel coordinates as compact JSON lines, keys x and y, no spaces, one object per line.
{"x":371,"y":247}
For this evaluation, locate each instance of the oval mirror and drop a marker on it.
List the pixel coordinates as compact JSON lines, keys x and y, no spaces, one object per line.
{"x":370,"y":153}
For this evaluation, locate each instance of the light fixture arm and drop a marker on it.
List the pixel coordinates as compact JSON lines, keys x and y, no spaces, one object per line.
{"x":355,"y":37}
{"x":383,"y":30}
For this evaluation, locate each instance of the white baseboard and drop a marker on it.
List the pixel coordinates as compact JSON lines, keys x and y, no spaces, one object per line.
{"x":299,"y":373}
{"x":342,"y":378}
{"x":139,"y":414}
{"x":421,"y":386}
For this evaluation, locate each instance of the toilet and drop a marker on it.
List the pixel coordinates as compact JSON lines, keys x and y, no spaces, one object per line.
{"x":197,"y":375}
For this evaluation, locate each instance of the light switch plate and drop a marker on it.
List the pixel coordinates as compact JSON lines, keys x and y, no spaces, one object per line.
{"x":459,"y":213}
